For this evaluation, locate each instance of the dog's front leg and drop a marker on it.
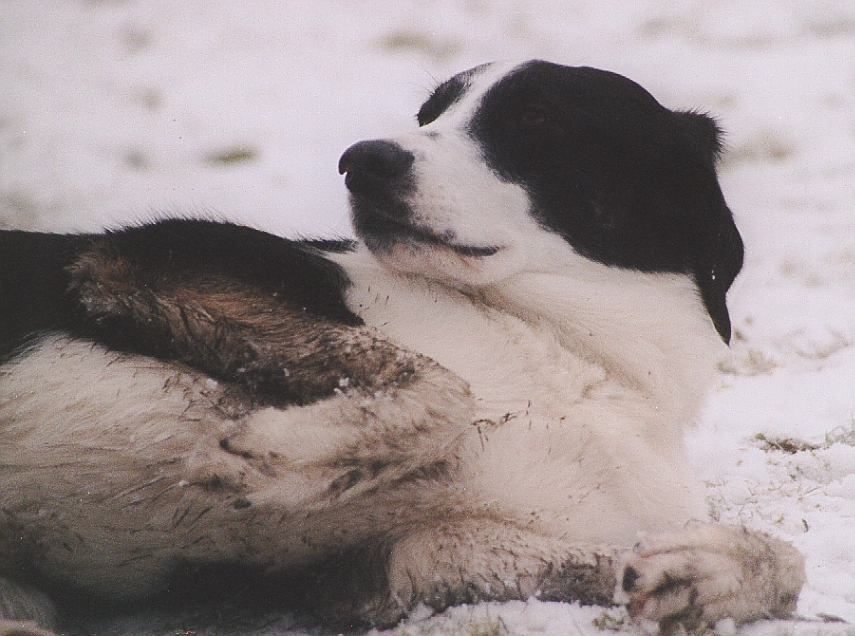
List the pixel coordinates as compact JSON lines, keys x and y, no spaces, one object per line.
{"x":463,"y":561}
{"x":357,"y":440}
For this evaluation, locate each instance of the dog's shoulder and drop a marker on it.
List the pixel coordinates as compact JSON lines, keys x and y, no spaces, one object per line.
{"x":175,"y":251}
{"x":55,"y":281}
{"x":236,"y":303}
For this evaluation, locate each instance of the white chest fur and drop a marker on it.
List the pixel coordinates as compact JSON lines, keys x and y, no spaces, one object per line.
{"x":584,"y":382}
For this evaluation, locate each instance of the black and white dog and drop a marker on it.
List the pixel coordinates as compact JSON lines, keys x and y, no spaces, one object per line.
{"x":483,"y":398}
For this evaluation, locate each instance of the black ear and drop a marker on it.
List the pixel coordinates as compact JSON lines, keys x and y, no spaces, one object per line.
{"x":720,"y":257}
{"x":718,"y":267}
{"x":704,"y":132}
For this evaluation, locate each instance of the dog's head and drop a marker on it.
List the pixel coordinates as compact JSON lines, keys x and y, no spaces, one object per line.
{"x":526,"y":167}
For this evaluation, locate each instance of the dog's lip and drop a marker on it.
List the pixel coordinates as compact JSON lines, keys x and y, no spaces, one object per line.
{"x":424,"y":236}
{"x":404,"y":230}
{"x":474,"y":250}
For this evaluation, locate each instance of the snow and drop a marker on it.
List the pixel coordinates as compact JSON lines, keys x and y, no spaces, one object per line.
{"x":113,"y":111}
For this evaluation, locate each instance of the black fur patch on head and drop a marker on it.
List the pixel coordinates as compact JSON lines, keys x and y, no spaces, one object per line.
{"x":624,"y":180}
{"x":446,"y":94}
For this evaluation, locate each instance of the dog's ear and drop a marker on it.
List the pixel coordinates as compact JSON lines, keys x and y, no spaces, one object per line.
{"x":718,"y":267}
{"x":705,"y":134}
{"x":720,"y":259}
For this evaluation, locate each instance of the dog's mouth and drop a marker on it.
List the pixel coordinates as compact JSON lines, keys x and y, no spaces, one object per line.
{"x":419,"y":235}
{"x":381,"y":233}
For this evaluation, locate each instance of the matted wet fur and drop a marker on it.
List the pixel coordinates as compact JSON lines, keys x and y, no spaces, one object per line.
{"x":481,"y":399}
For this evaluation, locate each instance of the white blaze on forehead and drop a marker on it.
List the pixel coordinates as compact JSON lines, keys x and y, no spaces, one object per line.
{"x":459,"y":198}
{"x":459,"y":113}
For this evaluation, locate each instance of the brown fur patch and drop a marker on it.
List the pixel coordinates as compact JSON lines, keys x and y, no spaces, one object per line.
{"x":233,"y":331}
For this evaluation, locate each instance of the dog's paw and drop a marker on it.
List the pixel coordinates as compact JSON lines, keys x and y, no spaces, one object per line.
{"x":708,"y":572}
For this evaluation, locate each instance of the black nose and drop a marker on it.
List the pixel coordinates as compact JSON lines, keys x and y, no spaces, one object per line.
{"x":374,"y":164}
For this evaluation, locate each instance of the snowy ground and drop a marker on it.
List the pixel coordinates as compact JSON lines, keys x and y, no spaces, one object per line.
{"x":113,"y":110}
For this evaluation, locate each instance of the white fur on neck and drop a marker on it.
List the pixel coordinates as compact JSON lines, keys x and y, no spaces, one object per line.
{"x":585,"y":378}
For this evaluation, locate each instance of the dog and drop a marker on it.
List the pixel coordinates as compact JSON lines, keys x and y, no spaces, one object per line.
{"x":482,"y":398}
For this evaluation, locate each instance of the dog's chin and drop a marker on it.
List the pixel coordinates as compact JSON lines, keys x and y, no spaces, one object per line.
{"x":415,"y":251}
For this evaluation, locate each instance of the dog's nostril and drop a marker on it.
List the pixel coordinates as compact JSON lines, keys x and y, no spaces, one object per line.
{"x":383,"y":160}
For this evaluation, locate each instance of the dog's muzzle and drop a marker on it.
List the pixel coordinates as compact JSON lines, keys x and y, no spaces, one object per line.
{"x":380,"y":179}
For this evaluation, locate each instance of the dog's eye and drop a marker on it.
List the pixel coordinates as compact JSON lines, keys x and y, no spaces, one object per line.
{"x":532,"y":117}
